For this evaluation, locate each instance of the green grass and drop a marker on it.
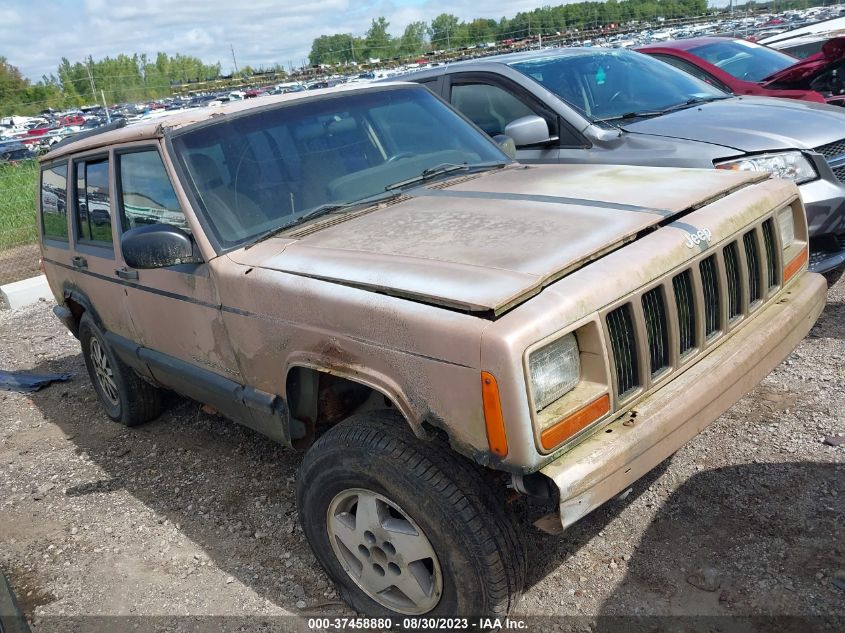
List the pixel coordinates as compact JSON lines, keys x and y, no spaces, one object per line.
{"x":17,"y":203}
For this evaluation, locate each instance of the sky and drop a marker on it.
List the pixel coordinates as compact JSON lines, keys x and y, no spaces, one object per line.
{"x":36,"y":34}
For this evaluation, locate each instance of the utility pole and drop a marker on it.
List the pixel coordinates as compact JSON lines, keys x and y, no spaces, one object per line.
{"x":234,"y":61}
{"x":352,"y":45}
{"x":91,"y":78}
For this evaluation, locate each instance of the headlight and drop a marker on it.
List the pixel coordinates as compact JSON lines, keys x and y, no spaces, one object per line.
{"x":786,"y":223}
{"x":555,"y":369}
{"x":790,"y":165}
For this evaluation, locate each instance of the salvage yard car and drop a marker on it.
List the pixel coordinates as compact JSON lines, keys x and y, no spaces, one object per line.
{"x":746,"y":68}
{"x":362,"y":274}
{"x":591,"y":105}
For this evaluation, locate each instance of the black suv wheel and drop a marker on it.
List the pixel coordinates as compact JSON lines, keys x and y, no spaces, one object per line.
{"x":407,"y":527}
{"x":124,"y":395}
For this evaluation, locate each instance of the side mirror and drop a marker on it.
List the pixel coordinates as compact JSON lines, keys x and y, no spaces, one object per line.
{"x":158,"y":246}
{"x":529,"y":130}
{"x":506,"y":144}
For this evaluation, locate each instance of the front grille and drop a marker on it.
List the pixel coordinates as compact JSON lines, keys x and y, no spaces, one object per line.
{"x":749,"y":241}
{"x":682,"y":285}
{"x":734,"y":274}
{"x":712,"y":298}
{"x":832,"y":150}
{"x":772,"y":268}
{"x":839,"y":172}
{"x":623,"y":341}
{"x":686,"y":312}
{"x":656,"y":325}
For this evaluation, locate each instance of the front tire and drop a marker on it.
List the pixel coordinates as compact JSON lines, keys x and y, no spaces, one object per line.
{"x":126,"y":398}
{"x":407,"y":527}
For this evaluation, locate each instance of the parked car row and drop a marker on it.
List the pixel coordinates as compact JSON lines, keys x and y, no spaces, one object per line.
{"x":363,"y":274}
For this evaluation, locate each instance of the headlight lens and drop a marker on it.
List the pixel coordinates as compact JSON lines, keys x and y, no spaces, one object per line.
{"x":786,"y":222}
{"x":555,"y":369}
{"x":790,"y":165}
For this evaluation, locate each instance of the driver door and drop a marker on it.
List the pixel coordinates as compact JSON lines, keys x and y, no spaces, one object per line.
{"x":176,"y":310}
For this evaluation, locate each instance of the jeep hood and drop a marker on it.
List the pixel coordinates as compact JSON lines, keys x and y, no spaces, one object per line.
{"x":749,"y":124}
{"x":485,"y":243}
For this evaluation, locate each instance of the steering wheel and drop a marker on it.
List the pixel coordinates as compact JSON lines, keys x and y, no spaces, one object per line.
{"x":399,"y":156}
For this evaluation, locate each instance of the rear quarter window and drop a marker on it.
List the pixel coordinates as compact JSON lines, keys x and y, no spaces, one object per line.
{"x":54,"y":203}
{"x":93,"y":202}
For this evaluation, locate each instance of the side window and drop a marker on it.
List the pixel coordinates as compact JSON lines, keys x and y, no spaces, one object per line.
{"x":146,"y":195}
{"x":54,"y":202}
{"x":692,"y":69}
{"x":490,"y":107}
{"x":93,"y":205}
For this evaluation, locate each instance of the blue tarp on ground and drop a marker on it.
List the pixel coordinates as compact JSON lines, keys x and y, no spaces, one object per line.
{"x":25,"y":382}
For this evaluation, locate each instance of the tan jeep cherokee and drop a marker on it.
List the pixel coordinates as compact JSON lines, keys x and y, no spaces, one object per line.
{"x":363,"y":274}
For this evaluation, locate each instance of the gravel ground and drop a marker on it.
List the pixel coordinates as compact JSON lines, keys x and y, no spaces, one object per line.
{"x":192,"y":515}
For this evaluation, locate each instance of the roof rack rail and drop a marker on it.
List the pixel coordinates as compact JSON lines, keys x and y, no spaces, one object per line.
{"x":81,"y":135}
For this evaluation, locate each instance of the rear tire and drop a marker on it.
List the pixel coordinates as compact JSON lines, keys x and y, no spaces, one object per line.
{"x":466,"y":558}
{"x":126,"y":398}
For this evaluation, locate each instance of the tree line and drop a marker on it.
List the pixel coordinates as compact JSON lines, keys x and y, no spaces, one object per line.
{"x":446,"y":31}
{"x":125,"y":78}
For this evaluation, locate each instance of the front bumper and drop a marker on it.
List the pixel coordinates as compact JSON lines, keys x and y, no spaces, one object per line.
{"x":824,"y":200}
{"x":609,"y":461}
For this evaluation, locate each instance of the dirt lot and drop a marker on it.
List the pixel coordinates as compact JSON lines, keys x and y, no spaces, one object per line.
{"x":192,"y":515}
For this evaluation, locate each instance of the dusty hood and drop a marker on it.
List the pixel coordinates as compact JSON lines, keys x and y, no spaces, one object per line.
{"x":485,"y":243}
{"x":750,"y":124}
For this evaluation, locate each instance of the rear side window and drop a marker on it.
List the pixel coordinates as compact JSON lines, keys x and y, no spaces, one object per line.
{"x":146,"y":195}
{"x":54,"y":202}
{"x":93,"y":204}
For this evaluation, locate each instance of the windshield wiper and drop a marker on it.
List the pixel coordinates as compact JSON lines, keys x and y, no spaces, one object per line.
{"x":444,"y":168}
{"x":672,"y":108}
{"x":693,"y":101}
{"x":323,"y":209}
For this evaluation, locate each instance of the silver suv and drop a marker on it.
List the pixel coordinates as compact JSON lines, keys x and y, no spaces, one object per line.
{"x":593,"y":105}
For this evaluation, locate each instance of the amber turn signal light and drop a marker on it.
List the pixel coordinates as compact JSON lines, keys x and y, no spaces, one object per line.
{"x":795,"y":265}
{"x":493,"y":418}
{"x":571,"y":424}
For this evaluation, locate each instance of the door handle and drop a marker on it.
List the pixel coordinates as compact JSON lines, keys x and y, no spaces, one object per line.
{"x":124,"y":273}
{"x":79,"y":262}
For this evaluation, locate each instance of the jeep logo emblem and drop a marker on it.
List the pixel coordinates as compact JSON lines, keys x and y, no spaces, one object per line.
{"x":702,"y":235}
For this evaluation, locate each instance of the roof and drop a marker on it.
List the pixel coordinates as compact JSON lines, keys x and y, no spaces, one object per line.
{"x":509,"y":58}
{"x":177,"y":119}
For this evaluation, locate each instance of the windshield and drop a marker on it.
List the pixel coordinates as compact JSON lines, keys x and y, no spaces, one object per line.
{"x":266,"y":169}
{"x":606,"y":84}
{"x":744,"y":60}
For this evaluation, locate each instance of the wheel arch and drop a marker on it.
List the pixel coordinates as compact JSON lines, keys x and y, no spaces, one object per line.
{"x":307,"y":378}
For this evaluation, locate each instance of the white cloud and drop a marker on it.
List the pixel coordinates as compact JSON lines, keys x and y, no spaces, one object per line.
{"x":35,"y":36}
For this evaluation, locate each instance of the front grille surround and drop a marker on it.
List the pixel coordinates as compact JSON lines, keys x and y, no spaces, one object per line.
{"x":752,"y":257}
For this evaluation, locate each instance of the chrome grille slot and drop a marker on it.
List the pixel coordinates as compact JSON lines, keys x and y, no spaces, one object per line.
{"x":712,"y":301}
{"x":654,"y":310}
{"x":682,"y":285}
{"x":772,"y":268}
{"x":752,"y":260}
{"x":623,"y":341}
{"x":731,"y":254}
